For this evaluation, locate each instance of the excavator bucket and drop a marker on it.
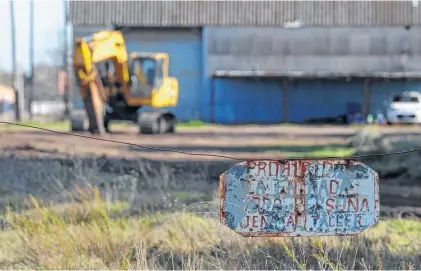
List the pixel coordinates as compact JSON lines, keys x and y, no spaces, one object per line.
{"x":93,"y":99}
{"x":95,"y":109}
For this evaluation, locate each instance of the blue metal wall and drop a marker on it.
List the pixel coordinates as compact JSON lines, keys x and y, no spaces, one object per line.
{"x":260,"y":101}
{"x":322,"y":98}
{"x":184,"y":48}
{"x":312,"y":99}
{"x":240,"y":101}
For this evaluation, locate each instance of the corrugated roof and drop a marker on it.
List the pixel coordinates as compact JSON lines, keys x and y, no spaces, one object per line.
{"x":243,"y":13}
{"x":297,"y":74}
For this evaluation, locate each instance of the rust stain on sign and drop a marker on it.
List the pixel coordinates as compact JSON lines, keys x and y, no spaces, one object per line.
{"x":299,"y":197}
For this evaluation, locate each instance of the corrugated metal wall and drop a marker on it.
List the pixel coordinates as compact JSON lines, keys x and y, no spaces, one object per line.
{"x":242,"y":101}
{"x":315,"y":51}
{"x":184,"y":48}
{"x":322,"y":98}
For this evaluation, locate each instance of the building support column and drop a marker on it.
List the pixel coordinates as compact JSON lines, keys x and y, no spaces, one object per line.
{"x":367,"y":97}
{"x":212,"y":100}
{"x":285,"y":100}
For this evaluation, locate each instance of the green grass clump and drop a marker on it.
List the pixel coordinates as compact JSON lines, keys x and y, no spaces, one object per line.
{"x":193,"y":123}
{"x":323,"y":152}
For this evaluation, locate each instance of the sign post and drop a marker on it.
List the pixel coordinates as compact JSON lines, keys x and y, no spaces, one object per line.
{"x":299,"y":198}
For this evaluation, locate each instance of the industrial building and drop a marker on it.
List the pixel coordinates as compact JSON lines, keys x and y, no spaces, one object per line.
{"x":271,"y":61}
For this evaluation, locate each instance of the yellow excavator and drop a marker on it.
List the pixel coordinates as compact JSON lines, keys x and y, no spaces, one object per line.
{"x":114,"y":85}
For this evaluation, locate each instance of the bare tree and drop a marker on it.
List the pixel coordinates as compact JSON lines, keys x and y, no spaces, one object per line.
{"x":58,"y":53}
{"x":59,"y":57}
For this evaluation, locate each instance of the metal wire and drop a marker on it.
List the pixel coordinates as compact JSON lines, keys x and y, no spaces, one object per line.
{"x":205,"y":154}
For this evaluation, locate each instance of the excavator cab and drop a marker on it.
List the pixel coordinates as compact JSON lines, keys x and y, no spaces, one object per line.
{"x":149,"y":81}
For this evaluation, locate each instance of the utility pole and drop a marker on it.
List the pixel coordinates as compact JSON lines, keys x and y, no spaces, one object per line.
{"x":66,"y":63}
{"x":14,"y":62}
{"x":31,"y":57}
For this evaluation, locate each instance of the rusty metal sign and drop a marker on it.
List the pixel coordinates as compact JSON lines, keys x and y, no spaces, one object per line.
{"x":299,"y":197}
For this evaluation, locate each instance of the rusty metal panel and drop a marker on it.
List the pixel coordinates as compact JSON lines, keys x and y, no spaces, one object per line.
{"x":299,"y":198}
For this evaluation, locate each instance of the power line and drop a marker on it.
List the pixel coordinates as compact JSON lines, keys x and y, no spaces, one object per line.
{"x":203,"y":154}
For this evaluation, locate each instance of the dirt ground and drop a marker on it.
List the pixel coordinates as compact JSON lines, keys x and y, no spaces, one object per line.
{"x":34,"y":162}
{"x":238,"y":142}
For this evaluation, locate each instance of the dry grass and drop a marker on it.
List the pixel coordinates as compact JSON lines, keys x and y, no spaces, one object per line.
{"x":91,"y":233}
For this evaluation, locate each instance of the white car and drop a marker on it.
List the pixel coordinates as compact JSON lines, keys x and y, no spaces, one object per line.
{"x":404,"y":108}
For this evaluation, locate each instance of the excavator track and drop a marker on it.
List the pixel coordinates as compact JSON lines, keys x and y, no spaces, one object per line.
{"x":79,"y":121}
{"x":156,"y":123}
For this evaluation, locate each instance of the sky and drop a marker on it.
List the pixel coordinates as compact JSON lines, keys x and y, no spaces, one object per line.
{"x":48,"y":29}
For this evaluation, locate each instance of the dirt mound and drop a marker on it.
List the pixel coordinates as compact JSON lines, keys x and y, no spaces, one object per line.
{"x":368,"y":141}
{"x":400,"y":173}
{"x":390,"y":156}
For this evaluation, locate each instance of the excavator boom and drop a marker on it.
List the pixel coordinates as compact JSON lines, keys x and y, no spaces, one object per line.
{"x":88,"y":52}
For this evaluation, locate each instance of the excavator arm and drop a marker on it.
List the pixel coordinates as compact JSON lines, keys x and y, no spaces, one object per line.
{"x":88,"y":52}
